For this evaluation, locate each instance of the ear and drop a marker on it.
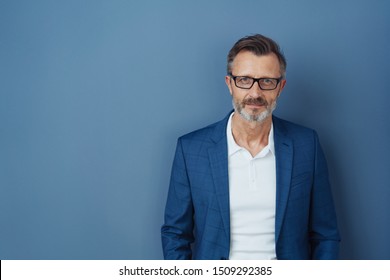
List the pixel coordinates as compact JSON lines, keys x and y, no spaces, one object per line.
{"x":282,"y":85}
{"x":228,"y":81}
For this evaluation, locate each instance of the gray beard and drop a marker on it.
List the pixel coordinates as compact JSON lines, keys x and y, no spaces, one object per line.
{"x":259,"y":118}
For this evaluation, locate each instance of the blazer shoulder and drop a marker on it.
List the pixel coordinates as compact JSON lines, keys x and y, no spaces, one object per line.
{"x":301,"y":136}
{"x":211,"y":133}
{"x":203,"y":133}
{"x":292,"y":129}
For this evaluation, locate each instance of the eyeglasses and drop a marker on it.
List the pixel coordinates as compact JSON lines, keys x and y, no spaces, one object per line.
{"x":264,"y":83}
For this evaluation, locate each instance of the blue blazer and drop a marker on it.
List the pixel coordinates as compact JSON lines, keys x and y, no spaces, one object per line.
{"x":197,"y":219}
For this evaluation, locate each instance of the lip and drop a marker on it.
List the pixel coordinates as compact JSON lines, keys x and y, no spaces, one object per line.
{"x":254,"y":106}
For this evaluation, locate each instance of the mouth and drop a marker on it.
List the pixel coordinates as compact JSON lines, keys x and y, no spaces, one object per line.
{"x":255,"y":103}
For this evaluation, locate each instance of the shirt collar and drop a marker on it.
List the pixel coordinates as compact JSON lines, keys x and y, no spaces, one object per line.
{"x":233,"y":147}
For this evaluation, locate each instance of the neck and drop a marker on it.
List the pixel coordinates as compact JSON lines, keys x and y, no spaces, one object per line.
{"x":252,"y":136}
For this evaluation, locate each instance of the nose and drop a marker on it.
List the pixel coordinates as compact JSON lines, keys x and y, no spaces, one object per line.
{"x":255,"y":90}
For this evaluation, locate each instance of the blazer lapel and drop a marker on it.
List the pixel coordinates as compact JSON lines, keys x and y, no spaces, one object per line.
{"x":219,"y":167}
{"x":284,"y":160}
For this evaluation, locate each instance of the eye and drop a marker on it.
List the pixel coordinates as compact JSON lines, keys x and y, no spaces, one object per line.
{"x":244,"y":80}
{"x":268,"y":81}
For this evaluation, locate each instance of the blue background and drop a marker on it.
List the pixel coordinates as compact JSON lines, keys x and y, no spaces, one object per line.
{"x":93,"y":95}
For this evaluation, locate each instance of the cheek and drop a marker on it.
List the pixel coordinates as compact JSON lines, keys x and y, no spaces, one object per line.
{"x":238,"y":95}
{"x":273,"y":98}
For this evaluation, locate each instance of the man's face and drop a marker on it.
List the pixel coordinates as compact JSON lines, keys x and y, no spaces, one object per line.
{"x":255,"y":104}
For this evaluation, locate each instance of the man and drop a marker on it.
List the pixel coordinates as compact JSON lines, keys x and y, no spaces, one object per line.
{"x":251,"y":186}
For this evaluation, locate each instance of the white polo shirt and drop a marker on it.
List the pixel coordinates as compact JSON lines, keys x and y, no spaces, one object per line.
{"x":252,"y":192}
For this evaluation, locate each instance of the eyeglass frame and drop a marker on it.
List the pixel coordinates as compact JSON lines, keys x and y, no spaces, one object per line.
{"x":256,"y":80}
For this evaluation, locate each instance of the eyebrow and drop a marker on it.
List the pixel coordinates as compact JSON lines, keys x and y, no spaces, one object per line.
{"x":250,"y":76}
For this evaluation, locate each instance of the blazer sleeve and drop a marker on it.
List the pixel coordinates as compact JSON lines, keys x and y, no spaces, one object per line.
{"x":177,"y":231}
{"x":324,"y":235}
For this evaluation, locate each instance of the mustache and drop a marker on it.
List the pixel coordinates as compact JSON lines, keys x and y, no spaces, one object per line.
{"x":259,"y":101}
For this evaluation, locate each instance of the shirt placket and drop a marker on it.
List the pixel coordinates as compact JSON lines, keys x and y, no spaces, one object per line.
{"x":252,"y":174}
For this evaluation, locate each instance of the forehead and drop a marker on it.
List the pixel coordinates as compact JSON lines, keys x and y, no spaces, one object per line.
{"x":249,"y":64}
